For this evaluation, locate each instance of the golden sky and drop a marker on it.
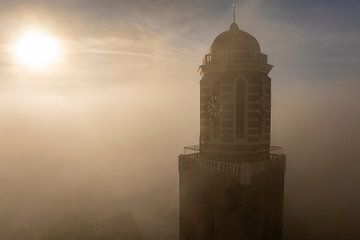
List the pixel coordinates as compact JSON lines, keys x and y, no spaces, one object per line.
{"x":110,"y":118}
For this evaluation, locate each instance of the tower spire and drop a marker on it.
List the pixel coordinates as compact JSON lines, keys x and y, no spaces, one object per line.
{"x":234,"y":11}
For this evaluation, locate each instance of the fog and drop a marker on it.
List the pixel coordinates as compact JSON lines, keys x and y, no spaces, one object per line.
{"x":97,"y":155}
{"x":98,"y":136}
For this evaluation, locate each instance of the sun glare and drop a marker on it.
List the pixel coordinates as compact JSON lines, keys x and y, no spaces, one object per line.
{"x":37,"y":49}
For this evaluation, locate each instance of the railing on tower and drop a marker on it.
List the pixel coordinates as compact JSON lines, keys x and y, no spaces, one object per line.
{"x":235,"y":56}
{"x":192,"y":149}
{"x":191,"y":160}
{"x":195,"y":149}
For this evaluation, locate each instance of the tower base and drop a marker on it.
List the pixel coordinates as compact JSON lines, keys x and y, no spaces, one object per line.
{"x":227,"y":200}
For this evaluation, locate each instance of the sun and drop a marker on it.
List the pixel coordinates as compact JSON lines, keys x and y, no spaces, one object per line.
{"x":37,"y":49}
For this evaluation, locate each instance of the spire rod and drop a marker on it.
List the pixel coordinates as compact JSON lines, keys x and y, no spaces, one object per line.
{"x":234,"y":12}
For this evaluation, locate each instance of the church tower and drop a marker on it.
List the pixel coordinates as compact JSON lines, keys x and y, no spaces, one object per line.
{"x":232,"y":184}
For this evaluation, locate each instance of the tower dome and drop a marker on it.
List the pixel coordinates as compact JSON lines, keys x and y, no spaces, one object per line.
{"x":235,"y":40}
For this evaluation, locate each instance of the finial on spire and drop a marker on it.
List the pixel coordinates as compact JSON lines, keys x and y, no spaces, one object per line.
{"x":234,"y":12}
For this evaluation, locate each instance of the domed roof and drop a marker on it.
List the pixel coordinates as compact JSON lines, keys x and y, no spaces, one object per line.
{"x":235,"y":40}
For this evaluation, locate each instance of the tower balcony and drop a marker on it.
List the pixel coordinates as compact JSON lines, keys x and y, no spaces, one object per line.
{"x":243,"y":172}
{"x":237,"y":56}
{"x":235,"y":60}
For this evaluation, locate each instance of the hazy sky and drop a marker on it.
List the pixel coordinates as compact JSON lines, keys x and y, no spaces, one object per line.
{"x":103,"y":128}
{"x":308,"y":38}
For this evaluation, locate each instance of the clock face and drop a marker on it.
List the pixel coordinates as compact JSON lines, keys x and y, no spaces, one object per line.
{"x":214,"y":106}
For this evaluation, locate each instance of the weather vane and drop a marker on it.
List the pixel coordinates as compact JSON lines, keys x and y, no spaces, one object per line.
{"x":234,"y":12}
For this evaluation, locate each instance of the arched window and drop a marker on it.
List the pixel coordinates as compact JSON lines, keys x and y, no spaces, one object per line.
{"x":216,"y":88}
{"x":216,"y":120}
{"x":261,"y":108}
{"x":240,"y":108}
